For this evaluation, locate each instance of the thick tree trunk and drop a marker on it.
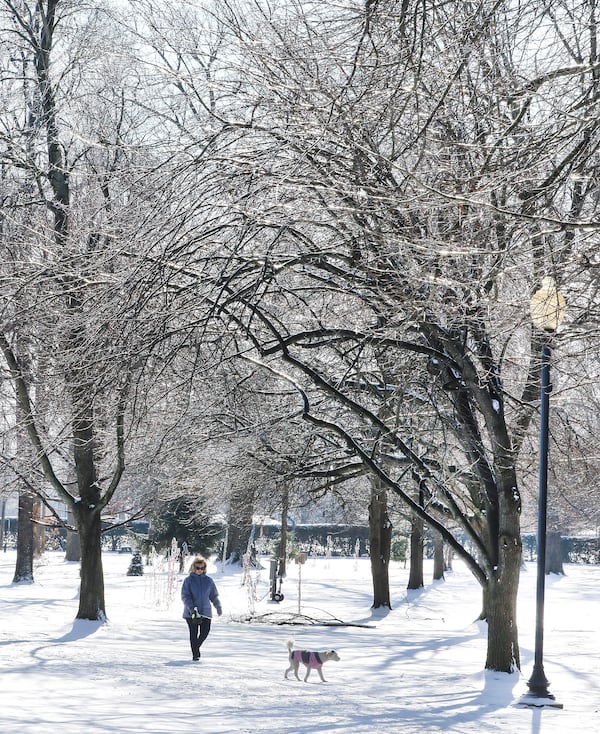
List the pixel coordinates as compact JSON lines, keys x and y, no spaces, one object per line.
{"x":500,"y":604}
{"x":91,"y":594}
{"x":500,"y":593}
{"x":415,"y":577}
{"x":503,"y":580}
{"x":87,"y":509}
{"x":24,"y":564}
{"x":380,"y":541}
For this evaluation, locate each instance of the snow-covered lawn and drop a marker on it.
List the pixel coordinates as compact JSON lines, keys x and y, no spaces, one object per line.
{"x":417,"y":668}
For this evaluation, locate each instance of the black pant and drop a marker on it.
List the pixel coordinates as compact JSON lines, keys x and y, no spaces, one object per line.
{"x":198,"y":633}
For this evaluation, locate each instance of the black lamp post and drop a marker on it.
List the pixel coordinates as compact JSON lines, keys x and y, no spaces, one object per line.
{"x":547,"y":309}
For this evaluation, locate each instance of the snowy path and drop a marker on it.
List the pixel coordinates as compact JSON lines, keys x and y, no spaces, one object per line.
{"x":415,"y":669}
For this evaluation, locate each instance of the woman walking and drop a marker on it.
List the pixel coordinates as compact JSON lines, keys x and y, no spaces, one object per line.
{"x":198,"y":593}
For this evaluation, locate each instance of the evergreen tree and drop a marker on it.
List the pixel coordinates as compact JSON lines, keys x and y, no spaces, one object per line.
{"x":136,"y":567}
{"x":184,"y":519}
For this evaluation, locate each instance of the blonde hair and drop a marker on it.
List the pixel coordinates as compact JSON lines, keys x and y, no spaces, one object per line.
{"x":197,"y":560}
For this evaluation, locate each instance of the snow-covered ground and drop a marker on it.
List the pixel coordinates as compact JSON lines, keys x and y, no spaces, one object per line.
{"x":417,"y":668}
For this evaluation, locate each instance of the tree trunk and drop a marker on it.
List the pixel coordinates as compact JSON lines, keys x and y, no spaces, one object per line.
{"x":438,"y":557}
{"x":554,"y":559}
{"x":24,"y":564}
{"x":27,"y":501}
{"x":241,"y":509}
{"x":39,"y":530}
{"x":415,"y":577}
{"x":73,"y":549}
{"x":500,"y":610}
{"x":380,"y":541}
{"x":91,"y":594}
{"x":448,"y":555}
{"x":87,"y":509}
{"x":283,"y":547}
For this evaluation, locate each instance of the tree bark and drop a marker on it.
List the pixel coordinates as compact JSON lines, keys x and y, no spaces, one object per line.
{"x":91,"y":594}
{"x":415,"y":577}
{"x":554,"y":558}
{"x":500,"y":611}
{"x":88,"y":506}
{"x":438,"y":557}
{"x":39,"y":530}
{"x":380,"y":541}
{"x":73,"y":549}
{"x":24,"y":563}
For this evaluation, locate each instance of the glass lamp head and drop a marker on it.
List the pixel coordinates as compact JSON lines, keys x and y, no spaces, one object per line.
{"x":547,"y":306}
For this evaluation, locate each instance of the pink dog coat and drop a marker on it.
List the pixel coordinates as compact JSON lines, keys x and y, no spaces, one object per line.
{"x":310,"y":659}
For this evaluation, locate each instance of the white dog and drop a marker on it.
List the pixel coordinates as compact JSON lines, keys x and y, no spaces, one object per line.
{"x":312,"y":660}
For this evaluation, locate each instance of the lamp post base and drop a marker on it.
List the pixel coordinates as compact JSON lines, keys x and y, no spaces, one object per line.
{"x":534,"y":700}
{"x":538,"y":694}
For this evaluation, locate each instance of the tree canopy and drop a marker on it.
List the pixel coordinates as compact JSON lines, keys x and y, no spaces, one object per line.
{"x":305,"y":235}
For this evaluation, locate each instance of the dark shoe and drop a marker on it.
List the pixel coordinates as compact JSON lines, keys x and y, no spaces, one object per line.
{"x":196,"y":657}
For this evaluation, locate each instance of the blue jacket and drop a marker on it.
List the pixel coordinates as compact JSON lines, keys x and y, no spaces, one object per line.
{"x":199,"y":590}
